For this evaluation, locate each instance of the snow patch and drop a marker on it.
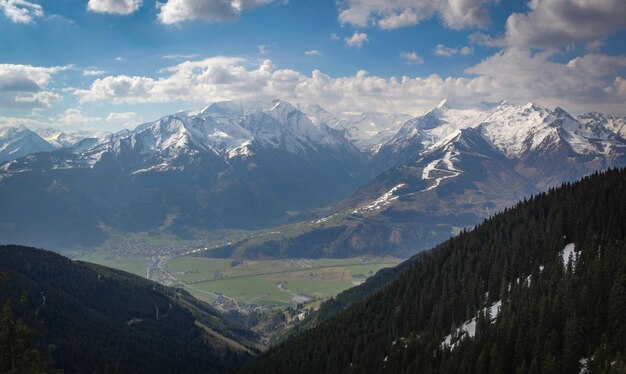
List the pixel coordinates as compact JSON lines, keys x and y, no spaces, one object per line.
{"x":382,"y":201}
{"x":447,"y":167}
{"x":468,"y":329}
{"x":569,"y":253}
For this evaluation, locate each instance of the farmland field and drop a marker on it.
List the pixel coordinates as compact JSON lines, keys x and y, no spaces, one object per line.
{"x":280,"y":282}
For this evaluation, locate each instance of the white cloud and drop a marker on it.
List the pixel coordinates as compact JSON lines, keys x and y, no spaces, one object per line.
{"x":557,"y":23}
{"x":393,"y":14}
{"x":176,"y":11}
{"x":15,"y":121}
{"x":443,"y":51}
{"x":180,"y":56}
{"x":412,"y":58}
{"x":93,"y":72}
{"x":620,"y":87}
{"x":74,"y":117}
{"x":485,"y":40}
{"x":313,"y":52}
{"x":24,"y":86}
{"x":357,"y":39}
{"x":20,"y":11}
{"x":588,"y":83}
{"x":334,"y":36}
{"x":125,"y":119}
{"x":585,"y":82}
{"x":119,"y":59}
{"x":118,"y":7}
{"x":43,"y":99}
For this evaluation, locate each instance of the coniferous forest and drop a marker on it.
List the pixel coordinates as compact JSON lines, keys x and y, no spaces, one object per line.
{"x":78,"y":317}
{"x":560,"y":311}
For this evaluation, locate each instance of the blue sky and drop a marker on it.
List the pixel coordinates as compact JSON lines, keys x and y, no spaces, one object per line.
{"x":107,"y":64}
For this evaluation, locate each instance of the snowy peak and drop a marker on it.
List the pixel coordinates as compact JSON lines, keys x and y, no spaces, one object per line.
{"x":613,"y":123}
{"x":435,"y":125}
{"x":19,"y":141}
{"x":58,"y":139}
{"x":518,"y":132}
{"x":228,"y":130}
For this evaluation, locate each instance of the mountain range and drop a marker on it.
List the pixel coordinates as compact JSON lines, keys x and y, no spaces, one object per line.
{"x":339,"y":184}
{"x":447,"y":170}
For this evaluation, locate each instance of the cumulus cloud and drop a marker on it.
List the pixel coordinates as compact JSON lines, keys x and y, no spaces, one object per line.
{"x":176,"y":11}
{"x":443,"y":51}
{"x":20,"y":11}
{"x":357,"y":39}
{"x":556,"y":23}
{"x":118,"y":7}
{"x":587,"y":83}
{"x":412,"y":58}
{"x":24,"y":86}
{"x":313,"y":52}
{"x":393,"y":14}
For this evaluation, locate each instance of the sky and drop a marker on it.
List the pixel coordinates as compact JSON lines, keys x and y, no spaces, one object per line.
{"x":112,"y":64}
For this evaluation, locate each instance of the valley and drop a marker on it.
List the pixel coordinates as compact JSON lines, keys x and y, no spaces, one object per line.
{"x":313,"y":187}
{"x":230,"y":284}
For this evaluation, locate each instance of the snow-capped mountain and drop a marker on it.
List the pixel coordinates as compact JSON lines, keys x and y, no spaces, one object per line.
{"x":225,"y":131}
{"x":16,"y":142}
{"x":233,"y":164}
{"x":524,"y":134}
{"x":367,"y":130}
{"x":252,"y":164}
{"x":58,"y":139}
{"x":613,"y":123}
{"x":450,"y":168}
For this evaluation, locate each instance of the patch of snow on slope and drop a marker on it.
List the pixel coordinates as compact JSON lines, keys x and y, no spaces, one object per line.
{"x":382,"y":201}
{"x":569,"y":253}
{"x":468,"y":330}
{"x":449,"y":168}
{"x":241,"y":151}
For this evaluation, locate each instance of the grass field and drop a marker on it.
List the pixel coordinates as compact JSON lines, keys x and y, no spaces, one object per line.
{"x":281,"y":282}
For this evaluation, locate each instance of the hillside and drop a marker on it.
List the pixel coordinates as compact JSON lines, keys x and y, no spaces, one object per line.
{"x":90,"y":318}
{"x":538,"y":288}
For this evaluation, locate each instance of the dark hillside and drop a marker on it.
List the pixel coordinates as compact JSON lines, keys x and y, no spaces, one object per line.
{"x":89,"y":317}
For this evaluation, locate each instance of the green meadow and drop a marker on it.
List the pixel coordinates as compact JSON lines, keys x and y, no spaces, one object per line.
{"x":279,"y":282}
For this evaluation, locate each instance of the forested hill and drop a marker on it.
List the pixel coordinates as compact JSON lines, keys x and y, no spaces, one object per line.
{"x":84,"y":318}
{"x":539,"y":288}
